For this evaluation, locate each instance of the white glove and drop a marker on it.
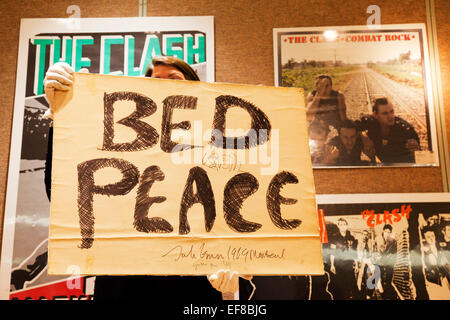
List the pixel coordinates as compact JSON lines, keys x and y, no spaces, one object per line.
{"x":226,"y":281}
{"x":58,"y":77}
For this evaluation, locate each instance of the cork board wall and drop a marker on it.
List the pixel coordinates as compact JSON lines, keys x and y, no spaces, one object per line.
{"x":442,"y":8}
{"x":243,"y":54}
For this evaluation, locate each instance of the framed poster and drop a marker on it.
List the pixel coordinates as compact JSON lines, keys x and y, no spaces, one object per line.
{"x":118,"y":46}
{"x":376,"y":247}
{"x":387,"y":246}
{"x":367,"y":90}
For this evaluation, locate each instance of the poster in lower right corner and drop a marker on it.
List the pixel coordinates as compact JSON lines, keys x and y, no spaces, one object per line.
{"x":375,"y":247}
{"x":386,"y":246}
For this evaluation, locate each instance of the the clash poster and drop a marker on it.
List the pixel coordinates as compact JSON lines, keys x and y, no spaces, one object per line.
{"x":367,"y":91}
{"x":376,"y":247}
{"x":119,"y":46}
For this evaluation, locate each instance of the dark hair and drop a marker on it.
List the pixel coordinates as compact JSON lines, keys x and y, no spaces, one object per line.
{"x":348,"y":124}
{"x":318,"y":127}
{"x":342,"y":220}
{"x":387,"y":226}
{"x":325,"y":76}
{"x":182,"y":66}
{"x":378,"y":102}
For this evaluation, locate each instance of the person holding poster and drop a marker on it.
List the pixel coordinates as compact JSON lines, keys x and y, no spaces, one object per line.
{"x":59,"y":77}
{"x":394,"y":139}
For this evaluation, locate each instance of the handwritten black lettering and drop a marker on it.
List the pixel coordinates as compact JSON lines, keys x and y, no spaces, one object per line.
{"x":170,"y":103}
{"x":180,"y":254}
{"x":237,"y":189}
{"x":202,"y":256}
{"x":205,"y":254}
{"x":252,"y":254}
{"x":147,"y":136}
{"x":274,"y":199}
{"x":144,"y":202}
{"x":87,"y":188}
{"x":260,"y":123}
{"x":221,"y":162}
{"x":204,"y":195}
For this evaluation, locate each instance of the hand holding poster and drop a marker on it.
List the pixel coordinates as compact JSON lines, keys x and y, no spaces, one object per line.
{"x":139,"y":189}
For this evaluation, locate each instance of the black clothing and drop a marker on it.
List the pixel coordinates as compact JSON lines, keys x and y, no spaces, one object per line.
{"x":162,"y":288}
{"x":277,"y":288}
{"x":48,"y":164}
{"x":344,"y":259}
{"x":444,"y":249}
{"x":391,"y":149}
{"x":436,"y":263}
{"x":387,"y":262}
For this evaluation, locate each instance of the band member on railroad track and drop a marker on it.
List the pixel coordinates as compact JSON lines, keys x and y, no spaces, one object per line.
{"x":322,"y":154}
{"x":325,"y":104}
{"x":394,"y":139}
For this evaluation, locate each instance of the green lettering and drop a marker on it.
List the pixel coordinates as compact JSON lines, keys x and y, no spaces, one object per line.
{"x":105,"y":54}
{"x":128,"y":63}
{"x":39,"y":68}
{"x":65,"y":54}
{"x":78,"y":60}
{"x":170,"y":49}
{"x":151,"y":48}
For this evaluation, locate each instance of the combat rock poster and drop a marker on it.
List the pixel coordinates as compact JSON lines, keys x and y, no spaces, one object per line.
{"x":376,"y":247}
{"x":119,"y":46}
{"x":367,"y":91}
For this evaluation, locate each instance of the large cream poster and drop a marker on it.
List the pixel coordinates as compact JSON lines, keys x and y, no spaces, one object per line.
{"x":155,"y":176}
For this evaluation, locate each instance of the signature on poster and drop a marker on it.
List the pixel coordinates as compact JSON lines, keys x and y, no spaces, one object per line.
{"x":387,"y":216}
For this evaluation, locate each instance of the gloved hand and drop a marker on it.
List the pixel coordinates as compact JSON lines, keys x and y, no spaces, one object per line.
{"x":226,"y":281}
{"x":58,"y":77}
